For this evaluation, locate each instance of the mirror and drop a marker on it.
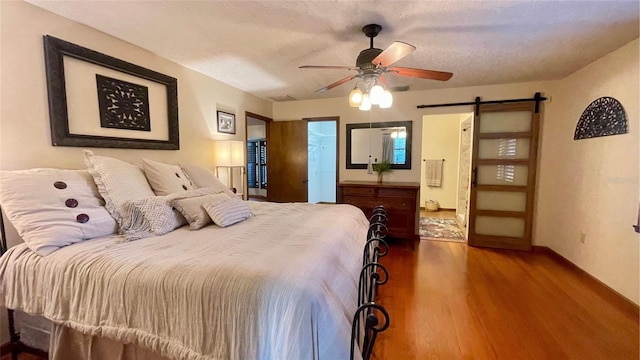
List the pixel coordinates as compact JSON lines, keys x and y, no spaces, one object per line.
{"x":383,"y":140}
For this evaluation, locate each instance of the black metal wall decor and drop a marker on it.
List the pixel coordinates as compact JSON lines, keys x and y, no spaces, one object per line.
{"x":603,"y":117}
{"x":123,"y":105}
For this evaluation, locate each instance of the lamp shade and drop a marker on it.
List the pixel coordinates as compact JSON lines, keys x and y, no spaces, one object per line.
{"x":387,"y":100}
{"x":365,"y":104}
{"x":229,"y":153}
{"x":376,"y":94}
{"x":355,"y":97}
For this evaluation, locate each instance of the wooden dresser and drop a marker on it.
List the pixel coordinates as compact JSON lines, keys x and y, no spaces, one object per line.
{"x":400,"y":199}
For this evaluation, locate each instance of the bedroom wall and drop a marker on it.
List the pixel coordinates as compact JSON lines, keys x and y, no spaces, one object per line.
{"x":25,"y":140}
{"x":591,"y":186}
{"x":403,"y":108}
{"x":440,"y":140}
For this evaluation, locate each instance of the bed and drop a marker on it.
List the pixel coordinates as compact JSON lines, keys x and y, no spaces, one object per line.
{"x":266,"y":288}
{"x":263,"y":289}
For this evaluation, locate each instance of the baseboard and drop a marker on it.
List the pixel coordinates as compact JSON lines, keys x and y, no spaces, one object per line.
{"x":446,"y":209}
{"x":615,"y":298}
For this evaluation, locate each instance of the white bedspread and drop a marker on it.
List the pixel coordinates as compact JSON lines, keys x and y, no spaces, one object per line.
{"x":281,"y":285}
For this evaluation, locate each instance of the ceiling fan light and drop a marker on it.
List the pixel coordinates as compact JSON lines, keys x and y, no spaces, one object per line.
{"x":355,"y":97}
{"x":387,"y":100}
{"x":365,"y":105}
{"x":376,"y":94}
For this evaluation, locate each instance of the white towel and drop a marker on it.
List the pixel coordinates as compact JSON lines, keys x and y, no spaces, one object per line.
{"x":433,"y":172}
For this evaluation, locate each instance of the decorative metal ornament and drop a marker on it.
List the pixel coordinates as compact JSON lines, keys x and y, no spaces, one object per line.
{"x":603,"y":117}
{"x":123,"y":105}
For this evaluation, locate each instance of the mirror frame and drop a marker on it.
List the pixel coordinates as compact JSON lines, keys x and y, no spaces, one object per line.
{"x":377,"y":125}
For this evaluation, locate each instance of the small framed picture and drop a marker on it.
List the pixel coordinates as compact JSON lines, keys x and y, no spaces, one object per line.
{"x":226,"y":123}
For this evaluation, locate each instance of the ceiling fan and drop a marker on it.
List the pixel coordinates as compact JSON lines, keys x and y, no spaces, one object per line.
{"x":373,"y":63}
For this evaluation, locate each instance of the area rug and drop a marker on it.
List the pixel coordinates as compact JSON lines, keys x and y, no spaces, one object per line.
{"x":440,"y":230}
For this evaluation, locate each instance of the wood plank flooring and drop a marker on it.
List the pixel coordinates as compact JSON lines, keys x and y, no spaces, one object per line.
{"x":450,"y":301}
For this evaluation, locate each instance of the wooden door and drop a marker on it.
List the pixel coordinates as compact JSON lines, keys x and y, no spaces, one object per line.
{"x":287,"y":159}
{"x":505,"y":148}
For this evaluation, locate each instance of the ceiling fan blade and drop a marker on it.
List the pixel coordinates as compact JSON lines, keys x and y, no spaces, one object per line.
{"x":394,"y":52}
{"x":420,"y":73}
{"x":326,"y":67}
{"x":337,"y":83}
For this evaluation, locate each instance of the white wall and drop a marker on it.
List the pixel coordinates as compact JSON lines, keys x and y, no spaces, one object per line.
{"x":322,"y":161}
{"x":588,"y":186}
{"x":404,"y":108}
{"x":591,"y":186}
{"x":25,"y":139}
{"x":440,"y":140}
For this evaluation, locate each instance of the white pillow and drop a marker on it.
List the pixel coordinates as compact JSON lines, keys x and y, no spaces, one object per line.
{"x":117,"y":182}
{"x":228,"y":212}
{"x":166,"y":179}
{"x":155,"y":215}
{"x":204,"y":178}
{"x":192,"y":210}
{"x":52,"y":208}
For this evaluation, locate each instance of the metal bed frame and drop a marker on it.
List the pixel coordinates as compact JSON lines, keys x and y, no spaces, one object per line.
{"x":371,"y":318}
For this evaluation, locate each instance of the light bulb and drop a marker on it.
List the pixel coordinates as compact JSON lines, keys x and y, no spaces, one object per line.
{"x":366,"y":103}
{"x":376,"y":94}
{"x":355,"y":97}
{"x":387,"y":100}
{"x":394,"y":134}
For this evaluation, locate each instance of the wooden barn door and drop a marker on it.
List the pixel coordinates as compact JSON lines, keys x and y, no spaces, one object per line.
{"x":287,"y":159}
{"x":505,"y":148}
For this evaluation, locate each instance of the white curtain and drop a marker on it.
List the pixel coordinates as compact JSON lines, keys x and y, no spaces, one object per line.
{"x":387,"y":148}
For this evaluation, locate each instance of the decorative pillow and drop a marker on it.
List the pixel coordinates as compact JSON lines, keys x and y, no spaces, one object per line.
{"x":52,"y":208}
{"x":204,"y":178}
{"x":155,"y":215}
{"x":117,"y":182}
{"x":228,"y":212}
{"x":166,"y":179}
{"x":192,"y":210}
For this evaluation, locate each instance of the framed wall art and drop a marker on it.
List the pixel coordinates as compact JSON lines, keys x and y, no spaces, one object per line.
{"x":96,"y":100}
{"x":226,"y":122}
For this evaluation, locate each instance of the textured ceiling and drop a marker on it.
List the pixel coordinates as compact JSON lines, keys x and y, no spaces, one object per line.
{"x":257,"y":46}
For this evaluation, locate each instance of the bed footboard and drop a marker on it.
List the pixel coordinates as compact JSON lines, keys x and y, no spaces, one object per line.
{"x":371,"y":318}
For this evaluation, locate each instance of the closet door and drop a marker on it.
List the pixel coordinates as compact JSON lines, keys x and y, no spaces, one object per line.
{"x":505,"y":149}
{"x":287,"y":159}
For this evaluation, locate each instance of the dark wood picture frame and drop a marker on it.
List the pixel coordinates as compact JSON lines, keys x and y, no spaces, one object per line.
{"x":407,"y":124}
{"x":226,"y":122}
{"x":54,"y":50}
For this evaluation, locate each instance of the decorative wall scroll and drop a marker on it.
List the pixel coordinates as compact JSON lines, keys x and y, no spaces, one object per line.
{"x":603,"y":117}
{"x":96,"y":100}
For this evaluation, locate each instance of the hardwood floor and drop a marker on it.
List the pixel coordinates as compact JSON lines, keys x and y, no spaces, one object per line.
{"x":23,"y":357}
{"x":450,"y":301}
{"x":440,"y":214}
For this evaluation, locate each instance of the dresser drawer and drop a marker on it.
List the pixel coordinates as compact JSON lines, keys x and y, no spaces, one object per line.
{"x":366,"y":191}
{"x":363,"y":202}
{"x":406,"y":193}
{"x":402,"y":204}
